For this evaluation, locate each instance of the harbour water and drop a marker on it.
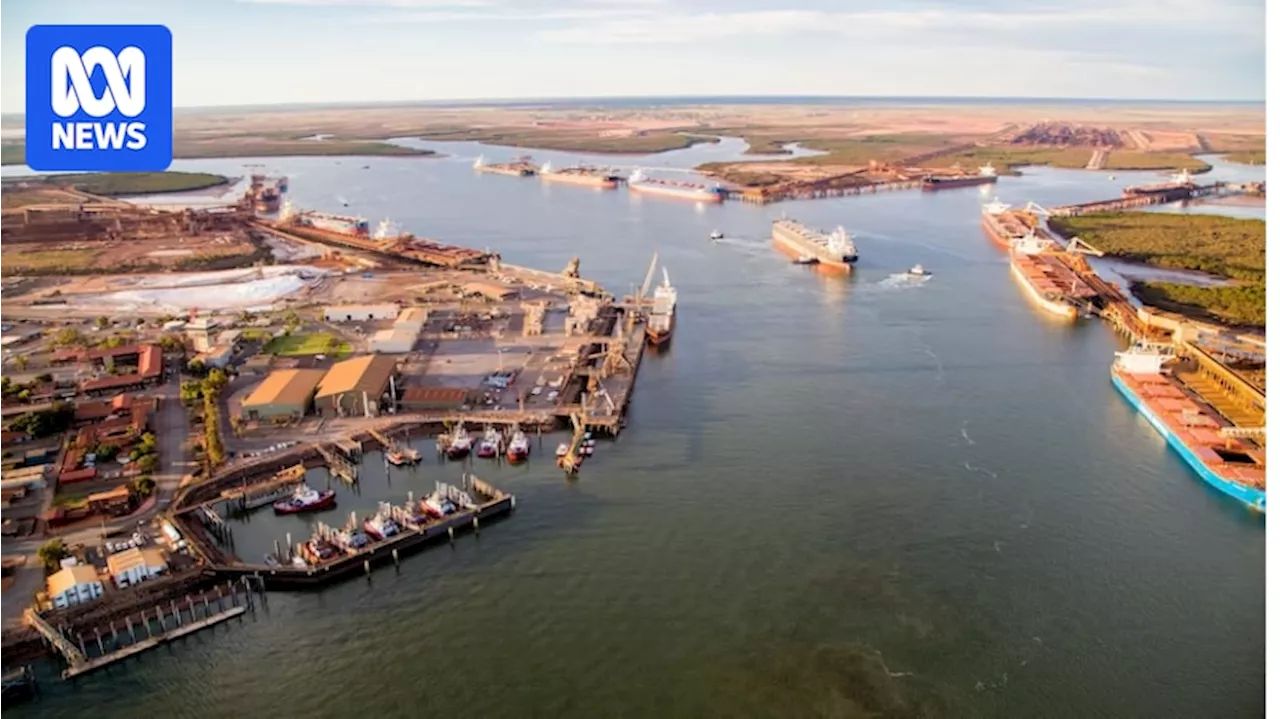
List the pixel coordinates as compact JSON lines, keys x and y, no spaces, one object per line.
{"x":836,"y":496}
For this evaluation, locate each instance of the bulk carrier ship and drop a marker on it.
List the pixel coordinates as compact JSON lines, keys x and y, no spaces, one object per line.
{"x":580,"y":175}
{"x":662,"y":319}
{"x":1235,"y":466}
{"x":669,"y":188}
{"x":1041,"y":270}
{"x":834,"y":249}
{"x":329,"y":222}
{"x":1181,"y":182}
{"x":1003,"y":224}
{"x":985,"y":176}
{"x":519,"y":167}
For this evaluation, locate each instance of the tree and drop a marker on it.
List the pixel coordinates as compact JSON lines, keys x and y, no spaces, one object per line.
{"x":143,"y":486}
{"x":51,"y":553}
{"x":148,"y":443}
{"x":106,"y":452}
{"x":21,"y":362}
{"x":196,"y":367}
{"x":101,"y":322}
{"x":67,"y":336}
{"x":214,"y":382}
{"x":191,"y":391}
{"x":148,"y":463}
{"x":46,"y":377}
{"x":171,"y":343}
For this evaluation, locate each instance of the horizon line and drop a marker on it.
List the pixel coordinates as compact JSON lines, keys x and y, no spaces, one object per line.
{"x":700,"y":99}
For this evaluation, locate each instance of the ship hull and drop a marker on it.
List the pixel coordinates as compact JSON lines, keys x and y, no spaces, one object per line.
{"x":455,"y":453}
{"x":515,"y":456}
{"x":991,"y":227}
{"x":658,"y":338}
{"x":1056,"y":307}
{"x":596,"y":181}
{"x":508,"y":171}
{"x":677,"y":193}
{"x":1251,"y":496}
{"x":952,"y":183}
{"x":796,"y":250}
{"x":328,"y":499}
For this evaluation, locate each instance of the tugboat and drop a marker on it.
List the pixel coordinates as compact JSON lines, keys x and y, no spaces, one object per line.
{"x":919,"y":271}
{"x":437,"y":505}
{"x":518,"y":449}
{"x":562,"y":449}
{"x":459,"y":444}
{"x":716,"y":235}
{"x":318,"y":550}
{"x":306,"y":499}
{"x":380,"y":525}
{"x":397,"y":457}
{"x":488,"y":447}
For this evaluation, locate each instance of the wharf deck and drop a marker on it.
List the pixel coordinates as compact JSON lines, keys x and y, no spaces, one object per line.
{"x":497,"y":504}
{"x":817,"y":190}
{"x":177,"y":632}
{"x":1130,"y":202}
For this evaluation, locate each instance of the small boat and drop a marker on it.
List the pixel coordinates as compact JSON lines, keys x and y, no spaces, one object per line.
{"x":306,"y":499}
{"x":459,"y":444}
{"x":411,"y":514}
{"x":518,"y":448}
{"x":397,"y":458}
{"x":1111,"y":177}
{"x":805,"y":260}
{"x":716,"y":235}
{"x":562,"y":449}
{"x":919,"y":271}
{"x":317,"y":550}
{"x":489,"y":444}
{"x":411,"y":454}
{"x":380,"y":525}
{"x":438,"y":506}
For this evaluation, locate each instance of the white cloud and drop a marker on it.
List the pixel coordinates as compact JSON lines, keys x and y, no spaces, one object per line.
{"x":1139,"y":15}
{"x":407,"y":4}
{"x":501,"y":15}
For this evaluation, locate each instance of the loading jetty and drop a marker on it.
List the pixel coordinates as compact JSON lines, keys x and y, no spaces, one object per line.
{"x":155,"y":627}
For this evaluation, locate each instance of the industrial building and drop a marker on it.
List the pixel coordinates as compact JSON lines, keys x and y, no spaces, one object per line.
{"x":73,"y":584}
{"x":361,"y":313}
{"x":356,"y":387}
{"x":216,"y":356}
{"x":402,"y":335}
{"x":284,"y":394}
{"x":136,"y":565}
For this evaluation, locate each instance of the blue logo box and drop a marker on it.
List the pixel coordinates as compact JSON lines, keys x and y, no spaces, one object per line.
{"x":99,"y":98}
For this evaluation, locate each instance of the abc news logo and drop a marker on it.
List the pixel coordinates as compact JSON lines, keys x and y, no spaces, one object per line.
{"x":99,"y":98}
{"x":125,"y":93}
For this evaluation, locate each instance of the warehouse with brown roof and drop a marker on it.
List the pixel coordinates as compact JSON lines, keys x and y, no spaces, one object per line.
{"x":283,"y":394}
{"x":356,"y":387}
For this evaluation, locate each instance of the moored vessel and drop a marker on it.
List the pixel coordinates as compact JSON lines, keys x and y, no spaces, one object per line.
{"x":459,"y":445}
{"x":520,"y":167}
{"x":518,"y":447}
{"x":1040,"y":269}
{"x":579,"y":175}
{"x":1221,"y":454}
{"x":381,"y":526}
{"x":489,"y":444}
{"x":1003,"y":224}
{"x":639,"y":183}
{"x":662,"y":318}
{"x":329,"y":222}
{"x":931,"y":183}
{"x":1179,"y":183}
{"x":834,"y":249}
{"x":306,"y":499}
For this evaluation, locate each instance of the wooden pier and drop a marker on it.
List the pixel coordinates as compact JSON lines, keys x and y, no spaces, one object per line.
{"x":152,"y":642}
{"x":339,"y":466}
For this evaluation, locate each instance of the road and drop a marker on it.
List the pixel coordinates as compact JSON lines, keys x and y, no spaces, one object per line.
{"x":172,"y":429}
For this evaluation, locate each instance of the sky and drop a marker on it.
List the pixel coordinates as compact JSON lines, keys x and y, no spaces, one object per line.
{"x":243,"y":52}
